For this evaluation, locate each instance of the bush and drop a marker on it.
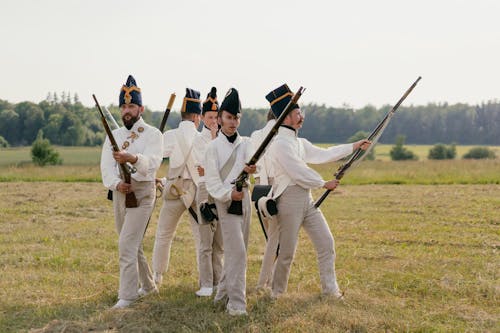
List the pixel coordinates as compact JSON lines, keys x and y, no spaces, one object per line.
{"x":442,"y":152}
{"x":42,"y":153}
{"x":479,"y":153}
{"x":4,"y":143}
{"x":400,"y":153}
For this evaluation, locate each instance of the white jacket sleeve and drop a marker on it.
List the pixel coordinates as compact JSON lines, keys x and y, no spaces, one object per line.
{"x":169,"y":142}
{"x":149,"y":161}
{"x":110,"y":175}
{"x":317,"y":155}
{"x":198,"y":151}
{"x":198,"y":154}
{"x":256,"y":140}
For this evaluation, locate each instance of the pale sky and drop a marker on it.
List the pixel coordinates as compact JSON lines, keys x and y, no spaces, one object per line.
{"x":355,"y":52}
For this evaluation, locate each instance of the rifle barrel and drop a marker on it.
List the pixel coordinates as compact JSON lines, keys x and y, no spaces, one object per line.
{"x":343,"y":168}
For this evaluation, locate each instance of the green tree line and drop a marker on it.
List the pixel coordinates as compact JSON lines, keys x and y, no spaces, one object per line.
{"x":64,"y":120}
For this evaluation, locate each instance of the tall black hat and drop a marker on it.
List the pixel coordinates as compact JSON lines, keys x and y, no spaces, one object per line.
{"x":192,"y":102}
{"x":279,"y":99}
{"x":130,"y":93}
{"x":211,"y":103}
{"x":231,"y":102}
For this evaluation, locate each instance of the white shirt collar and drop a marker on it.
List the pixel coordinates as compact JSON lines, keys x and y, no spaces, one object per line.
{"x":287,"y":132}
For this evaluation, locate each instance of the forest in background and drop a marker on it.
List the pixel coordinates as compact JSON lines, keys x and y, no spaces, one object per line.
{"x":65,"y":121}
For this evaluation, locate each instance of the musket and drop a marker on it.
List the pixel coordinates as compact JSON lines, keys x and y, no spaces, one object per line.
{"x":167,"y":112}
{"x":236,"y":207}
{"x":130,"y":199}
{"x":114,"y":125}
{"x":375,"y":134}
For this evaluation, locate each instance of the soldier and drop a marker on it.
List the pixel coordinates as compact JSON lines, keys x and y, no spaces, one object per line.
{"x":141,"y":146}
{"x":264,"y":176}
{"x":225,"y":160}
{"x":293,"y":182}
{"x":180,"y":183}
{"x":211,"y":249}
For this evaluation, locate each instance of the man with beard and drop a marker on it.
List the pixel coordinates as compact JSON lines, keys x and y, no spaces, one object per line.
{"x":293,"y":181}
{"x":225,"y":160}
{"x":211,"y":248}
{"x":180,"y":184}
{"x":141,"y":145}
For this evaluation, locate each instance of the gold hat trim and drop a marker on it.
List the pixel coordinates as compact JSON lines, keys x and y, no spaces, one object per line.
{"x":280,"y":98}
{"x":211,"y":99}
{"x":214,"y":103}
{"x":128,"y":90}
{"x":187,"y":99}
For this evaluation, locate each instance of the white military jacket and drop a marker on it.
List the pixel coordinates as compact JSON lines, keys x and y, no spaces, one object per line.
{"x":264,"y":166}
{"x":142,"y":140}
{"x":290,"y":155}
{"x":172,"y":149}
{"x":218,"y":152}
{"x":200,"y":148}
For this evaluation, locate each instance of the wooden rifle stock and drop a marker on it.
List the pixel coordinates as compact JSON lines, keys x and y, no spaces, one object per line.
{"x":236,"y":207}
{"x":339,"y":174}
{"x":167,"y":112}
{"x":130,"y":199}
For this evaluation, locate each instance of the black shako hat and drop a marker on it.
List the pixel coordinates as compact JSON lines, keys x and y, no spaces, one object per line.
{"x":192,"y":102}
{"x":211,"y":103}
{"x":231,"y":102}
{"x":279,"y":99}
{"x":130,"y":93}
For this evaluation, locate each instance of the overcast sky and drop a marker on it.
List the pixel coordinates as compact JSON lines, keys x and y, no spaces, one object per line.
{"x":355,"y":52}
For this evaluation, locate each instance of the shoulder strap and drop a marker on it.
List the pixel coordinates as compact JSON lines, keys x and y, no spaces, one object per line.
{"x":189,"y":162}
{"x":228,"y":166}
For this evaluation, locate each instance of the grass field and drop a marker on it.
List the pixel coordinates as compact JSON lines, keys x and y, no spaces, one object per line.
{"x":410,"y":259}
{"x":417,"y":251}
{"x":21,"y":156}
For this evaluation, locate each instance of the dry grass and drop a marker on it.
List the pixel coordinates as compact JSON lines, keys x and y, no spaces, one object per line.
{"x":410,"y":258}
